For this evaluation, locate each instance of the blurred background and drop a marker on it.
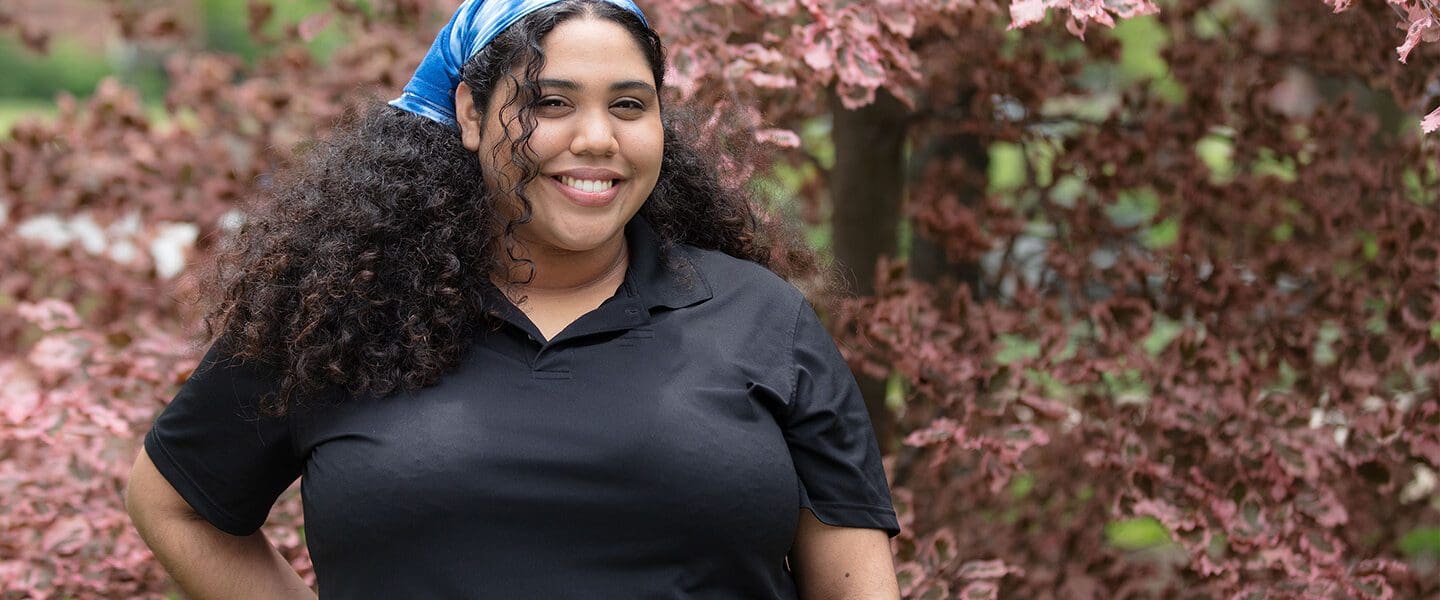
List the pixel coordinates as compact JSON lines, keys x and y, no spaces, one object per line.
{"x":1144,"y":298}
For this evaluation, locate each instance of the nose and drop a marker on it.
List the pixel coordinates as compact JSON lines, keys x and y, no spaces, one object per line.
{"x":594,"y":135}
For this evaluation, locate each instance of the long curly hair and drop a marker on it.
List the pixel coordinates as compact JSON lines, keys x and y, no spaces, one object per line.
{"x":364,"y":265}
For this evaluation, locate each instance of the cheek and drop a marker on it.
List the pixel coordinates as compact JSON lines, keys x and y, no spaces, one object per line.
{"x":647,"y":149}
{"x":547,"y":142}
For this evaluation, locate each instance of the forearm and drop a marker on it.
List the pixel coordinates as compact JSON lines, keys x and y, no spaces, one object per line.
{"x":210,"y":564}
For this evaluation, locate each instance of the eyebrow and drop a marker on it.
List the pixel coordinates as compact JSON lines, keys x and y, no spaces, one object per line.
{"x":619,"y":86}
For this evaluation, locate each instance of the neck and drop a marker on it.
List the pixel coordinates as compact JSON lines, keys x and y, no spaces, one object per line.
{"x":562,"y":272}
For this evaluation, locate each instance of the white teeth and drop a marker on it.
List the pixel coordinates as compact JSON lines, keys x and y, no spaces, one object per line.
{"x":588,"y":185}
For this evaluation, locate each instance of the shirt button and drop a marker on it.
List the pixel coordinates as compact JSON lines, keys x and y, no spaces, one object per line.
{"x":631,"y":311}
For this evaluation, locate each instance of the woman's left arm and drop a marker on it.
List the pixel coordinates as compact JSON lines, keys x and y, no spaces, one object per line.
{"x":842,"y":563}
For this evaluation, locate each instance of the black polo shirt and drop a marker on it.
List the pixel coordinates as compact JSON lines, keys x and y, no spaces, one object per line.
{"x":661,"y":446}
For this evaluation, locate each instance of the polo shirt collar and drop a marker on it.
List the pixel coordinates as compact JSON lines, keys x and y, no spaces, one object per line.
{"x":659,"y":275}
{"x":656,"y":276}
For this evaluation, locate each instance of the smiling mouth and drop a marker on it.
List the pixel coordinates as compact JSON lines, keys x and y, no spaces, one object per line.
{"x":589,"y":186}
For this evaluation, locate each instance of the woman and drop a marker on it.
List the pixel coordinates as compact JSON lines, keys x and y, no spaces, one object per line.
{"x":520,"y":343}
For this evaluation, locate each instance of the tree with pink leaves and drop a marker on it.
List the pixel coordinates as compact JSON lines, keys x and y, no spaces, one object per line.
{"x":1149,"y":309}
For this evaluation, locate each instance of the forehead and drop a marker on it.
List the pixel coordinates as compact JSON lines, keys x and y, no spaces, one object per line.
{"x":593,"y":49}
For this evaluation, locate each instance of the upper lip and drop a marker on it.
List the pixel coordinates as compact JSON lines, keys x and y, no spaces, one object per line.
{"x":588,"y":174}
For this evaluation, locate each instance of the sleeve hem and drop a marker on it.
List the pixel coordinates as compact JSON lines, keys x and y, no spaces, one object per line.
{"x":192,"y":493}
{"x":856,"y":515}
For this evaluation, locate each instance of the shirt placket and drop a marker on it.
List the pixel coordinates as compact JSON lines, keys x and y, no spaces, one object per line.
{"x":548,"y":359}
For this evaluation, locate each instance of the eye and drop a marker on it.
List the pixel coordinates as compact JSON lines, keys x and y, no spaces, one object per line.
{"x":551,"y":105}
{"x":628,"y":105}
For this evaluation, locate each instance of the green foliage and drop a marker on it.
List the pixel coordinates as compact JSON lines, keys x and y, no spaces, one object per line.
{"x":1143,"y":41}
{"x":1007,"y":167}
{"x":1218,"y":153}
{"x":1014,"y":348}
{"x":1422,"y":183}
{"x":73,"y":67}
{"x":224,"y":26}
{"x":1126,"y":386}
{"x":1162,"y":332}
{"x":1422,"y":541}
{"x":1162,"y":234}
{"x":1133,"y":208}
{"x":67,"y":67}
{"x":1268,"y":163}
{"x":1140,"y":533}
{"x":1325,"y":339}
{"x":13,"y":110}
{"x":1022,"y":485}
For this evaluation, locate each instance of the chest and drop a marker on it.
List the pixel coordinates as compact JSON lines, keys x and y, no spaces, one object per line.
{"x":655,"y":440}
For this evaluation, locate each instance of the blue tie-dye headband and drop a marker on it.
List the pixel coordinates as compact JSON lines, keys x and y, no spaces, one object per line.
{"x":431,"y":91}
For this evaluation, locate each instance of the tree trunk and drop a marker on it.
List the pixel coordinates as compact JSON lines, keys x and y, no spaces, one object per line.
{"x":928,"y":261}
{"x":865,"y":188}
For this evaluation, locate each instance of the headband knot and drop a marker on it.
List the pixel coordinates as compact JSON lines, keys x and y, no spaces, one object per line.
{"x":431,"y":91}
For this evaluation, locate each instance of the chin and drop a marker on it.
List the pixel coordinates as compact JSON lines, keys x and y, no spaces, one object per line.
{"x":582,"y":239}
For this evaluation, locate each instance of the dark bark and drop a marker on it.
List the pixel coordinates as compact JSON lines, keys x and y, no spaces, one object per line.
{"x":866,"y":186}
{"x":927,"y":259}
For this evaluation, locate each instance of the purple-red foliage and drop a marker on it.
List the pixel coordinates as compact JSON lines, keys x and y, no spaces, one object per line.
{"x":1244,"y":350}
{"x":99,"y":203}
{"x":1251,"y":361}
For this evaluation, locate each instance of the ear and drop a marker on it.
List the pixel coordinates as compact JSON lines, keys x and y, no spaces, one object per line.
{"x":468,"y":117}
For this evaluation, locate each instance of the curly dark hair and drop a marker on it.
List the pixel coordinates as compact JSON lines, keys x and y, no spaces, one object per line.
{"x":364,"y":266}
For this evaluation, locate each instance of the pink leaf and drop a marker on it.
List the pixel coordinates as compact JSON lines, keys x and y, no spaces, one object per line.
{"x":942,"y":547}
{"x":761,"y":55}
{"x":49,"y":314}
{"x":66,"y":536}
{"x":819,"y":48}
{"x":19,"y":395}
{"x":940,"y":430}
{"x":685,"y":71}
{"x":107,"y":418}
{"x":783,"y":138}
{"x":1052,"y":409}
{"x":981,"y":590}
{"x":779,"y":8}
{"x":313,"y":25}
{"x":911,"y":576}
{"x":934,"y":589}
{"x":1019,"y":438}
{"x":1323,"y":506}
{"x":1431,"y":122}
{"x":57,"y":355}
{"x":1024,"y":13}
{"x":770,"y":80}
{"x":1134,"y":8}
{"x":983,"y":569}
{"x":898,"y":18}
{"x":1423,"y":27}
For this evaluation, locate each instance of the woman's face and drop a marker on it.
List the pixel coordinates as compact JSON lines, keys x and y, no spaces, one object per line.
{"x":598,"y":138}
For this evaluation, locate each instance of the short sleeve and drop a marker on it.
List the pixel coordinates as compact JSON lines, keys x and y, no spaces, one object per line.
{"x":830,"y":436}
{"x":211,"y":443}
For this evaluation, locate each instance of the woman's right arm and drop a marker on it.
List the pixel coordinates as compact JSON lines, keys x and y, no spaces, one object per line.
{"x":206,"y":562}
